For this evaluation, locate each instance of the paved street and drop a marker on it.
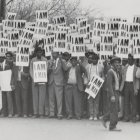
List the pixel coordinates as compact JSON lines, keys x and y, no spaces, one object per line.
{"x":52,"y":129}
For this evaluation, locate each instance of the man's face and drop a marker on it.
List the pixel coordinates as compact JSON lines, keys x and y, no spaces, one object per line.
{"x":41,"y":45}
{"x":116,"y":65}
{"x":39,"y":54}
{"x":124,"y":62}
{"x":130,"y":61}
{"x":55,"y":55}
{"x":9,"y":57}
{"x":91,"y":60}
{"x":74,"y":62}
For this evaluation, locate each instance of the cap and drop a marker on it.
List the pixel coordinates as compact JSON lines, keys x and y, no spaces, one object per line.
{"x":115,"y":58}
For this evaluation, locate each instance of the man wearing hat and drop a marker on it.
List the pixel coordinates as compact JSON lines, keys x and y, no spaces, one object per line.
{"x":94,"y":68}
{"x":113,"y":93}
{"x":57,"y":68}
{"x":7,"y":101}
{"x":130,"y":86}
{"x":38,"y":89}
{"x":74,"y":87}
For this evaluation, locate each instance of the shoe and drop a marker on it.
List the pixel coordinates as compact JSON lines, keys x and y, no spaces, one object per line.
{"x":60,"y":117}
{"x":51,"y":116}
{"x":134,"y":120}
{"x":30,"y":115}
{"x":35,"y":116}
{"x":78,"y":118}
{"x":115,"y":129}
{"x":2,"y":115}
{"x":10,"y":116}
{"x":25,"y":116}
{"x":95,"y":118}
{"x":17,"y":116}
{"x":69,"y":117}
{"x":104,"y":123}
{"x":41,"y":117}
{"x":126,"y":120}
{"x":91,"y":118}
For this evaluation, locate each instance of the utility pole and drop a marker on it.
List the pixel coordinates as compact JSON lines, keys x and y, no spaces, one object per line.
{"x":2,"y":9}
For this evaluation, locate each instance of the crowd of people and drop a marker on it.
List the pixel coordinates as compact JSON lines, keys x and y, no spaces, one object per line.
{"x":63,"y":95}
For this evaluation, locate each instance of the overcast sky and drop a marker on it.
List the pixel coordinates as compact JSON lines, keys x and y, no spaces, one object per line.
{"x":122,"y":8}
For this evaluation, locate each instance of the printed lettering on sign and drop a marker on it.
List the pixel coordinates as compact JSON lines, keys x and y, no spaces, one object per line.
{"x":4,"y":45}
{"x":11,"y":16}
{"x":106,"y":46}
{"x":94,"y":86}
{"x":136,"y":47}
{"x":41,"y":14}
{"x":49,"y":43}
{"x":136,"y":19}
{"x":123,"y":47}
{"x":59,"y":20}
{"x":22,"y":55}
{"x":40,"y":72}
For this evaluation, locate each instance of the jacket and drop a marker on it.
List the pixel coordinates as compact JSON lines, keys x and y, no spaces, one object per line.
{"x":135,"y":79}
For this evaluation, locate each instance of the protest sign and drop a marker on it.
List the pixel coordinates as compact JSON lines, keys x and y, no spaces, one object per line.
{"x":40,"y":72}
{"x":59,"y":20}
{"x":41,"y":14}
{"x":136,"y":19}
{"x":118,"y":19}
{"x":84,"y":30}
{"x":22,"y":55}
{"x":5,"y":80}
{"x":13,"y":35}
{"x":99,"y":27}
{"x":123,"y":29}
{"x":40,"y":32}
{"x":77,"y":45}
{"x":4,"y":45}
{"x":30,"y":26}
{"x":113,"y":27}
{"x":26,"y":38}
{"x":8,"y":25}
{"x":106,"y":46}
{"x":73,"y":28}
{"x":94,"y":86}
{"x":49,"y":43}
{"x":79,"y":18}
{"x":42,"y":23}
{"x":136,"y":47}
{"x":82,"y":23}
{"x":123,"y":47}
{"x":50,"y":29}
{"x":60,"y":41}
{"x":13,"y":44}
{"x":11,"y":16}
{"x":133,"y":30}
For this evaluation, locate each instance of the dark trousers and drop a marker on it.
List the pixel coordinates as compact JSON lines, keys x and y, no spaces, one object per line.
{"x":112,"y":114}
{"x":73,"y":95}
{"x":7,"y":103}
{"x":130,"y":101}
{"x":105,"y":102}
{"x":30,"y":100}
{"x":21,"y":95}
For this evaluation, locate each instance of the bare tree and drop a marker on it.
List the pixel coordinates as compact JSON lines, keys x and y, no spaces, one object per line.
{"x":25,"y":9}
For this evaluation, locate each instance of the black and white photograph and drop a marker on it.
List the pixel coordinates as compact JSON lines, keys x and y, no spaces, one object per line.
{"x":69,"y":69}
